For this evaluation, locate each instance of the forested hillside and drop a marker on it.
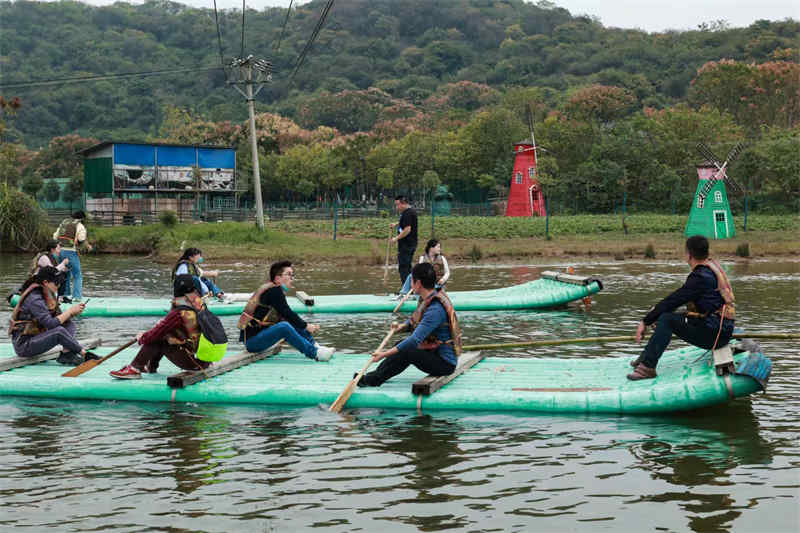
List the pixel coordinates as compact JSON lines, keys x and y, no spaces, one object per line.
{"x":412,"y":93}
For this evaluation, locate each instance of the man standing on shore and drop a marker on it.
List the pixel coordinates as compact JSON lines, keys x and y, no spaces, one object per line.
{"x":406,"y":238}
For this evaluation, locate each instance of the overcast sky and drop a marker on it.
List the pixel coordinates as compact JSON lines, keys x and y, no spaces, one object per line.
{"x":648,"y":15}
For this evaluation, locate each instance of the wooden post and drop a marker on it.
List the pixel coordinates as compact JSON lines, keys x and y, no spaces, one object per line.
{"x":430,"y":384}
{"x":190,"y":377}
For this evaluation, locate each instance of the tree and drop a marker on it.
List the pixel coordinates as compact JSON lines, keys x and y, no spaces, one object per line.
{"x":32,"y":184}
{"x":51,"y":191}
{"x":73,"y":190}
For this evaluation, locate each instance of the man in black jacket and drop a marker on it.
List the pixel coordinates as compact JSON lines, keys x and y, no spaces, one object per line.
{"x":267,"y":318}
{"x":709,"y":321}
{"x":406,"y":237}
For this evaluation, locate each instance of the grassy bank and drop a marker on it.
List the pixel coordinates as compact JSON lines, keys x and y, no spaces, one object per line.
{"x":475,"y":239}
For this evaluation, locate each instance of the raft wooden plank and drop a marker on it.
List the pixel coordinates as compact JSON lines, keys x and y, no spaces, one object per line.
{"x":430,"y":384}
{"x":190,"y":377}
{"x":566,"y":278}
{"x":304,"y":298}
{"x":16,"y":362}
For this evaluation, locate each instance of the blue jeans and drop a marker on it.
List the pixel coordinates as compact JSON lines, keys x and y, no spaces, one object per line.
{"x":210,"y":286}
{"x":406,"y":285}
{"x":73,"y":271}
{"x":301,"y":340}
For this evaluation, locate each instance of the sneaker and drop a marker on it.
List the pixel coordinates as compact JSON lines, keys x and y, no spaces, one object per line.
{"x":69,"y":359}
{"x":642,"y":372}
{"x":91,"y":356}
{"x":324,"y":353}
{"x":126,"y":372}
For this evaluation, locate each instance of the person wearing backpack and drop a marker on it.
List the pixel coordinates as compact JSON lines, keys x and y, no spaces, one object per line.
{"x":178,"y":336}
{"x":71,"y":234}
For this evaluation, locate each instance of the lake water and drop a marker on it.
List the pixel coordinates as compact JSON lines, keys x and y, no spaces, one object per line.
{"x":98,"y":466}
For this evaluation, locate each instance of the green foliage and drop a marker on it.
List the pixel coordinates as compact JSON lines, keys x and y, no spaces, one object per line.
{"x":650,"y":251}
{"x":73,"y":190}
{"x":32,"y":184}
{"x":22,"y":221}
{"x":475,"y":253}
{"x":743,"y":250}
{"x":51,"y":191}
{"x":168,"y":218}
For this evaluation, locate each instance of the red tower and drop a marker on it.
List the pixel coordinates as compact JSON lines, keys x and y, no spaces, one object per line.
{"x":525,"y":198}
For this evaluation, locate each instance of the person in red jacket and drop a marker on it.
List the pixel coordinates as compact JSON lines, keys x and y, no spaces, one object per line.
{"x":175,"y":336}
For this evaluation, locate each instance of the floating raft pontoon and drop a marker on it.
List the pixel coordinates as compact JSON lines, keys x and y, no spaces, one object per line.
{"x":598,"y":385}
{"x":550,"y":291}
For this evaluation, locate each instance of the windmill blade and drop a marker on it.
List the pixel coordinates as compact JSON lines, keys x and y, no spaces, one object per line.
{"x":707,"y":187}
{"x":734,"y":187}
{"x":529,"y":117}
{"x":734,"y":153}
{"x":706,"y":152}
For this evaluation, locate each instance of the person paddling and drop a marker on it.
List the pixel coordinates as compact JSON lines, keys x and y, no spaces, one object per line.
{"x":709,"y":321}
{"x":406,"y":237}
{"x":38,"y":323}
{"x":177,"y":335}
{"x":435,"y":342}
{"x":189,"y":263}
{"x":432,"y":255}
{"x":267,"y":318}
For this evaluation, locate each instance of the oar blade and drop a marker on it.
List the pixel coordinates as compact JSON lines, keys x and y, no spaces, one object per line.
{"x":81,"y":368}
{"x":343,"y":397}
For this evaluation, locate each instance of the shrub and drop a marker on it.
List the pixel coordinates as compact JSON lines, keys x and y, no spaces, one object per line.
{"x":168,"y":218}
{"x":650,"y":251}
{"x":22,"y":221}
{"x":475,"y":253}
{"x":743,"y":250}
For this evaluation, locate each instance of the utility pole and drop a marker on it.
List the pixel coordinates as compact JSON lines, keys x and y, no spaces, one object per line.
{"x":253,"y":72}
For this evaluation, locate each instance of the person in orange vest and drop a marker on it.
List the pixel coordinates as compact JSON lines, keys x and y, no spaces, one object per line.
{"x":176,"y":335}
{"x":38,"y":323}
{"x":709,"y":321}
{"x":435,"y":342}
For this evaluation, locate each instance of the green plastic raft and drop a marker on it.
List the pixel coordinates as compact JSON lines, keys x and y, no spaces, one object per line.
{"x":538,"y":294}
{"x":596,"y":385}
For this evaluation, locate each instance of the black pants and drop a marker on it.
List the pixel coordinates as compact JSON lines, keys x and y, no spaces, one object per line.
{"x":697,"y":331}
{"x":405,"y":254}
{"x":426,"y":360}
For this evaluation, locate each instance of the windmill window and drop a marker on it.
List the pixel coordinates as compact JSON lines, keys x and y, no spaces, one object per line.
{"x":518,"y":177}
{"x":718,"y":197}
{"x":720,"y":217}
{"x":531,"y":172}
{"x":700,"y":202}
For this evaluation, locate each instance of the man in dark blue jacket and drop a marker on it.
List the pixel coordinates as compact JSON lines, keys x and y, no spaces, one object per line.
{"x":709,"y":321}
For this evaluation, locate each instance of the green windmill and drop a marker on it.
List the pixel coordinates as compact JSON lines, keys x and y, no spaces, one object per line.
{"x":711,"y":213}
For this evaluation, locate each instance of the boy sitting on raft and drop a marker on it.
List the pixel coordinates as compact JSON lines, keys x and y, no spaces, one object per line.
{"x":435,"y":342}
{"x":267,"y":318}
{"x":176,"y":335}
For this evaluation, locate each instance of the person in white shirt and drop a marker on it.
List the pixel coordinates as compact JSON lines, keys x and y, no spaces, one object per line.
{"x":432,"y":255}
{"x":71,"y":235}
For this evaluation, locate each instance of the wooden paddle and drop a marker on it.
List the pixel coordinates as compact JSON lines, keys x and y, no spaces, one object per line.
{"x":403,"y":300}
{"x":386,"y":266}
{"x":88,"y":365}
{"x":337,"y":405}
{"x":586,"y":340}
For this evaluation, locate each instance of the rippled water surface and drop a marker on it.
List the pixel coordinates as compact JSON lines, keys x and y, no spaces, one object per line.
{"x":97,"y":466}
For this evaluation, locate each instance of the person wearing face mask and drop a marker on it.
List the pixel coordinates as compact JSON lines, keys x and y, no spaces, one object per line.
{"x":432,"y":255}
{"x":189,"y":263}
{"x":708,"y":322}
{"x":267,"y":318}
{"x":38,"y":323}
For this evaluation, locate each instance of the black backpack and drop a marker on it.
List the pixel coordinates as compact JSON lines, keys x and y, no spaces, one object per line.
{"x":213,"y":339}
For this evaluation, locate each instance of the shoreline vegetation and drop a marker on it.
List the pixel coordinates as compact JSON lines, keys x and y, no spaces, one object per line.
{"x":362,"y":241}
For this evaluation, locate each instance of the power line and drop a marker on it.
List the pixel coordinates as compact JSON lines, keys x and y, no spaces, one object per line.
{"x":219,"y":36}
{"x":101,"y":77}
{"x":280,"y":38}
{"x":313,"y":38}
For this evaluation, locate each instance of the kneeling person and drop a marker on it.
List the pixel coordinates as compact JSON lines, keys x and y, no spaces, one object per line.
{"x":177,"y":335}
{"x":267,"y":318}
{"x":435,"y":343}
{"x":38,"y":324}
